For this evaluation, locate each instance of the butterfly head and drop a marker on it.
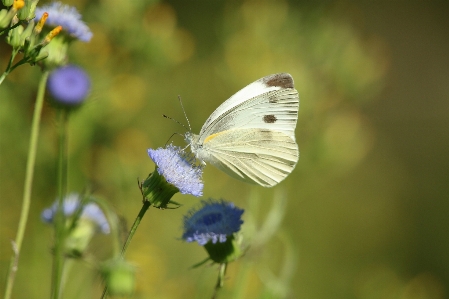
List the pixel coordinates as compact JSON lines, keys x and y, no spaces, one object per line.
{"x":188,"y":136}
{"x":192,"y":141}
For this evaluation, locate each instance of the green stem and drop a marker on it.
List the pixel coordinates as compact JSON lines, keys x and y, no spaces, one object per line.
{"x":220,"y":280}
{"x":143,"y":210}
{"x":26,"y":200}
{"x":3,"y":76}
{"x":7,"y":29}
{"x":9,"y":68}
{"x":60,"y":231}
{"x":66,"y":271}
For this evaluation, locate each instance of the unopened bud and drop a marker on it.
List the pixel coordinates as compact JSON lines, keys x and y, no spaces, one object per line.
{"x":40,"y":24}
{"x":51,"y":35}
{"x":18,"y":4}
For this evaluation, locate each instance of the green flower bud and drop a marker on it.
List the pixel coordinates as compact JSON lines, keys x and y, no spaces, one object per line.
{"x":119,"y":277}
{"x":225,"y":252}
{"x":3,"y":14}
{"x":32,"y":12}
{"x":57,"y":53}
{"x":7,"y":2}
{"x":24,"y":12}
{"x":27,"y":32}
{"x":14,"y":37}
{"x":80,"y":237}
{"x":6,"y":17}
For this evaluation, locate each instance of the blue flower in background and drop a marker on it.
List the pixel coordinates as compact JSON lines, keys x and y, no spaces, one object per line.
{"x":178,"y":169}
{"x":91,"y":212}
{"x":214,"y":221}
{"x":66,"y":16}
{"x":68,"y":85}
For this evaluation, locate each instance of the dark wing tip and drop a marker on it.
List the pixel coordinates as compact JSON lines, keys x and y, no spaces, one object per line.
{"x":283,"y":80}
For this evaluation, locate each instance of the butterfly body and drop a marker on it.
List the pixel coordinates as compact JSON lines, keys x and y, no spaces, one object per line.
{"x":251,"y":136}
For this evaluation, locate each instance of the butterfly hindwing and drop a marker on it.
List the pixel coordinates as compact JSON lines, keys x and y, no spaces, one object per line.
{"x":256,"y":156}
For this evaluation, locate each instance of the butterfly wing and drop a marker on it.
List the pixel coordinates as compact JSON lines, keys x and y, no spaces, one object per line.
{"x":269,"y":103}
{"x":259,"y":156}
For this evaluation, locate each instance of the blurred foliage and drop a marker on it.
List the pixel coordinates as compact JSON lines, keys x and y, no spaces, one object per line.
{"x":345,"y":233}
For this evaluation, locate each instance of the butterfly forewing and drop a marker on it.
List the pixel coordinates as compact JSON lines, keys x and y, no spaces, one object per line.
{"x":269,"y":103}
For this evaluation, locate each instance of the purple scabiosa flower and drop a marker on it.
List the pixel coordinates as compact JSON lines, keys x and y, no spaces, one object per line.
{"x":90,"y":212}
{"x":68,"y":86}
{"x":213,"y":222}
{"x":54,"y":15}
{"x":213,"y":226}
{"x":82,"y":222}
{"x":68,"y":17}
{"x":178,"y":169}
{"x":175,"y":172}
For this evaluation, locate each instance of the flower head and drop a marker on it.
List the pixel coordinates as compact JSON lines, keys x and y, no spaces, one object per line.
{"x":178,"y":169}
{"x":67,"y":17}
{"x":214,"y":222}
{"x":68,"y":85}
{"x":90,"y":212}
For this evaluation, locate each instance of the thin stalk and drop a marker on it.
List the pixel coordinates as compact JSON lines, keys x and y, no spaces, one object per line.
{"x":9,"y":68}
{"x":220,"y":280}
{"x":60,"y":231}
{"x":143,"y":210}
{"x":66,"y":271}
{"x":29,"y":174}
{"x":5,"y":30}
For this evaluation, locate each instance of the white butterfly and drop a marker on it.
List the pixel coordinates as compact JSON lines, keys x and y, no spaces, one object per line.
{"x":251,"y":136}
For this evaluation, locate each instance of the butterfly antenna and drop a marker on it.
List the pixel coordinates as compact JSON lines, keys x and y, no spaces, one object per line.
{"x":166,"y":116}
{"x":185,"y":114}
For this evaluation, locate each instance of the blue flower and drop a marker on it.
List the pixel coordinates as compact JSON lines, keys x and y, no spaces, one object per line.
{"x":68,"y":85}
{"x":67,"y":17}
{"x":91,"y":212}
{"x":215,"y":221}
{"x":178,"y":169}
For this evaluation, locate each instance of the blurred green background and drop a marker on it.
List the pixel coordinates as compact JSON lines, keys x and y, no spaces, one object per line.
{"x":365,"y":212}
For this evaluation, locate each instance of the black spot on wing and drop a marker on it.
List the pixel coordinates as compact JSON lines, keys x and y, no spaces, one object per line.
{"x":269,"y":118}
